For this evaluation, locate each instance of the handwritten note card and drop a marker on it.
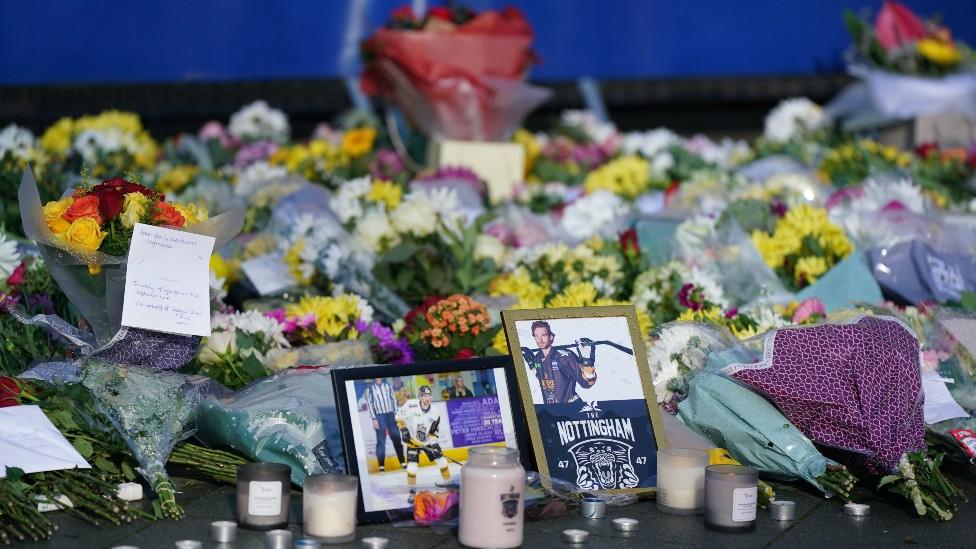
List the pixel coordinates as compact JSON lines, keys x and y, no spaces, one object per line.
{"x":167,"y":282}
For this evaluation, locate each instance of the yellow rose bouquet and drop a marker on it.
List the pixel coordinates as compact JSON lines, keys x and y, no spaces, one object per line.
{"x":84,"y":239}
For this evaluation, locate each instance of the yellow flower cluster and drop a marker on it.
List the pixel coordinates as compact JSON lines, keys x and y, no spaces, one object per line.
{"x":176,"y":179}
{"x":519,"y":284}
{"x":334,"y":316}
{"x":628,"y":176}
{"x":387,"y":193}
{"x":531,"y":145}
{"x":790,"y":239}
{"x":357,"y":142}
{"x":454,"y":316}
{"x":938,"y":51}
{"x":716,"y":316}
{"x":311,"y":160}
{"x":59,"y":138}
{"x":293,"y":260}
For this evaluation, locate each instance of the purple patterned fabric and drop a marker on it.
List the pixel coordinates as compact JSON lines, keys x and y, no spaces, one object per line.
{"x":853,"y":386}
{"x":154,"y":350}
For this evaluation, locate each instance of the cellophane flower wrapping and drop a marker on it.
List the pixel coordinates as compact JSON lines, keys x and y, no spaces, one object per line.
{"x":754,"y":432}
{"x":855,"y":386}
{"x":287,"y":418}
{"x":98,"y":296}
{"x":464,"y":84}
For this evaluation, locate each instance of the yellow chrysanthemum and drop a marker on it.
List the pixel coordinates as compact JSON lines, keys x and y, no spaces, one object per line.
{"x":334,"y":316}
{"x":356,"y":143}
{"x":581,"y":294}
{"x":174,"y":180}
{"x":530,"y":295}
{"x":57,"y":138}
{"x":938,"y":51}
{"x":293,"y":260}
{"x":627,"y":176}
{"x":385,"y":192}
{"x":808,"y":269}
{"x":500,"y":343}
{"x":531,"y":145}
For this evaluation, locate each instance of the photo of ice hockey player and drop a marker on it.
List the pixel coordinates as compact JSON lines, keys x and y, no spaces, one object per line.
{"x":559,"y":371}
{"x":419,"y":424}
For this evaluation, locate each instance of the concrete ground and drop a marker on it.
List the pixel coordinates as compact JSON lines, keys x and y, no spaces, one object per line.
{"x":820,"y":523}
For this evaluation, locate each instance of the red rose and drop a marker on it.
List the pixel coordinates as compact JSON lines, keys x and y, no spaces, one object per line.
{"x":628,"y":242}
{"x":109,"y":203}
{"x":17,"y":277}
{"x":166,"y":215}
{"x":9,"y":392}
{"x":925,"y":149}
{"x":464,"y":353}
{"x":85,"y":206}
{"x":443,"y":13}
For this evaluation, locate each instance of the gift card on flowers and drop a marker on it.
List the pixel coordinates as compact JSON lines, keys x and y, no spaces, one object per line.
{"x":167,"y":282}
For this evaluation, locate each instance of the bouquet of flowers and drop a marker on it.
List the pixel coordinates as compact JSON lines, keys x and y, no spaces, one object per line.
{"x":454,"y":327}
{"x":455,"y":73}
{"x":112,"y":143}
{"x":84,"y":239}
{"x":851,"y":162}
{"x":234,"y":353}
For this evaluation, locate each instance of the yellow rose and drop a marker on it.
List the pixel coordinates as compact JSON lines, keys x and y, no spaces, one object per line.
{"x":939,"y":52}
{"x":192,"y":213}
{"x":86,"y":233}
{"x":52,"y":214}
{"x":133,"y":209}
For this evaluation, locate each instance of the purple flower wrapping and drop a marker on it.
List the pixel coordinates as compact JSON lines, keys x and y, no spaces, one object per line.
{"x":852,"y":386}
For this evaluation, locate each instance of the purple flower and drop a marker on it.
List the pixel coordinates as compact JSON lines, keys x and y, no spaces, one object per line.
{"x":386,"y":165}
{"x":254,"y":152}
{"x":778,"y":208}
{"x":387,"y":347}
{"x":42,"y":302}
{"x":731,"y":313}
{"x":686,"y":296}
{"x":458,"y":173}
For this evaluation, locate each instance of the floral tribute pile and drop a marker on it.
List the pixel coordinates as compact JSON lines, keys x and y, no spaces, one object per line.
{"x":718,"y":244}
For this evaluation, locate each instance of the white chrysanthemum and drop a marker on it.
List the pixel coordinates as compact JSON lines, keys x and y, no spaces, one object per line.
{"x":764,"y":313}
{"x":588,"y":215}
{"x":365,"y":309}
{"x":9,"y":256}
{"x":252,"y":323}
{"x":727,"y":154}
{"x":421,"y":210}
{"x":90,"y":143}
{"x":17,"y":141}
{"x":710,"y":287}
{"x":792,"y":118}
{"x":661,"y":163}
{"x":489,"y":247}
{"x":693,"y":236}
{"x":347,"y":202}
{"x":880,"y":193}
{"x":259,"y":121}
{"x":373,"y":229}
{"x":597,"y":131}
{"x":649,"y":143}
{"x":678,"y":344}
{"x":256,"y":176}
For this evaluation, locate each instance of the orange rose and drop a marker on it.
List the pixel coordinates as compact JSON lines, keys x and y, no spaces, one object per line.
{"x":167,"y":215}
{"x":86,"y":206}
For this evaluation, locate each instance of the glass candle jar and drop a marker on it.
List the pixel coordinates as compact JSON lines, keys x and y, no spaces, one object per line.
{"x":681,"y":480}
{"x":263,"y":495}
{"x":492,"y":486}
{"x":731,"y":494}
{"x":329,"y":504}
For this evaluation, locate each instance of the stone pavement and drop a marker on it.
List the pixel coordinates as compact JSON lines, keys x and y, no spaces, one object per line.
{"x":820,"y":523}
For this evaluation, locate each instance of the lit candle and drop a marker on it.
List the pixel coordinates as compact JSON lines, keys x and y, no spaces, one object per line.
{"x":263,"y":495}
{"x":731,"y":495}
{"x":329,"y":503}
{"x":492,"y":485}
{"x":681,"y":481}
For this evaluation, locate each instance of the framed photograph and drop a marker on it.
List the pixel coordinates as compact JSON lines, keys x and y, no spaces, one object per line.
{"x":588,"y":396}
{"x":408,"y":428}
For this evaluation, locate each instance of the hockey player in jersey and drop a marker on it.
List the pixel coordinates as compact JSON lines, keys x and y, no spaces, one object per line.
{"x":559,"y":372}
{"x":419,"y":423}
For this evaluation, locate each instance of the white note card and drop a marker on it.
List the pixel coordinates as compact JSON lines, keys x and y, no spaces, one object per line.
{"x":31,"y":442}
{"x":167,"y":281}
{"x":268,"y":273}
{"x":939,"y":404}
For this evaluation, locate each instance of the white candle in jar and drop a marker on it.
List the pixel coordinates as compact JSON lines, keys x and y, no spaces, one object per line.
{"x":492,"y":509}
{"x":329,"y":506}
{"x":681,"y":480}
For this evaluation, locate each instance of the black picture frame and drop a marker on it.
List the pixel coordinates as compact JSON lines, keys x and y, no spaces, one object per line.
{"x":351,"y":428}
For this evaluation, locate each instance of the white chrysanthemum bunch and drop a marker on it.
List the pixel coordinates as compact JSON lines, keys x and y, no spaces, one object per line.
{"x":17,"y":141}
{"x":9,"y":257}
{"x":90,"y":143}
{"x":654,"y":145}
{"x":678,"y":351}
{"x":426,"y":211}
{"x":593,"y":214}
{"x":259,"y":121}
{"x":255,"y":176}
{"x":597,"y":131}
{"x":222,"y":345}
{"x":791,"y":119}
{"x":657,"y":284}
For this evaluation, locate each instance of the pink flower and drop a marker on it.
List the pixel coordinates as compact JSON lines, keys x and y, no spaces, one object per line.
{"x":686,"y":296}
{"x":731,"y":313}
{"x":897,"y":25}
{"x":807,"y":309}
{"x":216,"y":130}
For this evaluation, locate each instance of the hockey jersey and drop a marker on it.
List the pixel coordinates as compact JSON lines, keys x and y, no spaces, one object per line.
{"x":420,"y":423}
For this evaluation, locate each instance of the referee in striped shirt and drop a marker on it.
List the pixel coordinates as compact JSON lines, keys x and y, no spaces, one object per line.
{"x":382,"y":406}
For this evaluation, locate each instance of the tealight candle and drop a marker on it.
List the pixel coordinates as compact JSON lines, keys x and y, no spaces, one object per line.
{"x":263,"y":495}
{"x":731,"y":494}
{"x":329,"y":502}
{"x":681,"y":481}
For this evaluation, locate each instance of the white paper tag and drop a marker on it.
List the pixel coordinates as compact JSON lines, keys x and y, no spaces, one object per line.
{"x":939,"y":404}
{"x":29,"y":441}
{"x":264,"y":498}
{"x":167,"y":281}
{"x":268,"y":273}
{"x":744,"y":504}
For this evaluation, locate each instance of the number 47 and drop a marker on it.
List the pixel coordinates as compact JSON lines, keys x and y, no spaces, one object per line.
{"x":563,"y":464}
{"x":641,"y":460}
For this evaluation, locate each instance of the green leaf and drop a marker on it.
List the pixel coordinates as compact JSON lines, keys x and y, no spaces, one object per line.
{"x":254,"y":368}
{"x":244,"y":340}
{"x":400,"y":253}
{"x":127,"y":472}
{"x":969,"y":301}
{"x":435,"y":277}
{"x":83,"y":446}
{"x":888,"y":480}
{"x":14,"y":474}
{"x":106,"y":465}
{"x":403,"y":278}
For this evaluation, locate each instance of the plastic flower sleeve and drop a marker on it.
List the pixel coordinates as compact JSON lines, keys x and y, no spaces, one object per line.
{"x":900,"y":96}
{"x":855,"y":386}
{"x":98,"y":297}
{"x":152,"y":411}
{"x":287,"y":418}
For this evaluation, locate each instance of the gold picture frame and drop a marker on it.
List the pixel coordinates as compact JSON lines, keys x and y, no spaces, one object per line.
{"x":605,"y":438}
